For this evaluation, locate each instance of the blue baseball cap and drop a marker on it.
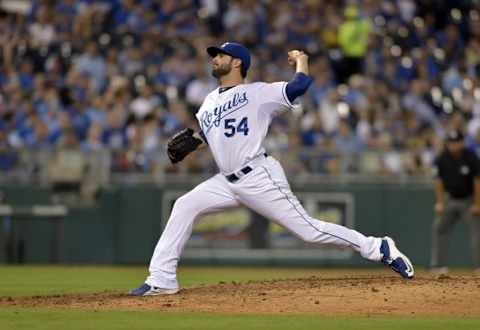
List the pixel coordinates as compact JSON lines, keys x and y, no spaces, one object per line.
{"x":234,"y":50}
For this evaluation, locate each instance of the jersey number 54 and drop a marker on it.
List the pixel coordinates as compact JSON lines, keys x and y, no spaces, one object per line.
{"x":231,"y":129}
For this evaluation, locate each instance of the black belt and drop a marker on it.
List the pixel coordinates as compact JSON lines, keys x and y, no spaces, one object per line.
{"x":247,"y":169}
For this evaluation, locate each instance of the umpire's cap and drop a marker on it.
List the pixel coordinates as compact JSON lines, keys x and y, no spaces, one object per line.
{"x":233,"y":49}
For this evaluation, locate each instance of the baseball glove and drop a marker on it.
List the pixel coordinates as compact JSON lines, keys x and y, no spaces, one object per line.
{"x":181,"y":144}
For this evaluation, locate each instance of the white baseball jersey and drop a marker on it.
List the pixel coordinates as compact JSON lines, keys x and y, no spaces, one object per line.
{"x":235,"y":122}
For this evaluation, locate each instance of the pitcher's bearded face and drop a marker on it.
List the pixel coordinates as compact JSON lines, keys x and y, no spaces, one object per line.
{"x":221,"y":65}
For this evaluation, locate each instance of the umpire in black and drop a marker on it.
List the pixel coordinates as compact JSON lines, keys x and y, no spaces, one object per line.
{"x":457,"y":192}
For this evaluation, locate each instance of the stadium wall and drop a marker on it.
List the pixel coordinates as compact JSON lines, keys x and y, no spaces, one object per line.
{"x":124,"y":225}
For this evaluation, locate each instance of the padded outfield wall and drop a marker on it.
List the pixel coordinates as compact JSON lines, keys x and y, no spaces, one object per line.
{"x":124,"y":225}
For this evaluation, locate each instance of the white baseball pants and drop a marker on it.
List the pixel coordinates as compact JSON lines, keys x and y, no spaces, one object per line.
{"x":266,"y":191}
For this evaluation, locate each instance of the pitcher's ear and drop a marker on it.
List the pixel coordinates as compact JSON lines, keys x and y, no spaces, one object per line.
{"x":237,"y":63}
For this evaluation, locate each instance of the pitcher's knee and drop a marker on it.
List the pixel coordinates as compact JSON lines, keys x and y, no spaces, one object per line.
{"x":186,"y":204}
{"x":310,"y":238}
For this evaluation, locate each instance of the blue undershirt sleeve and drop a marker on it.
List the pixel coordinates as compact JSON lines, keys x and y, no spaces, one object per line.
{"x":298,"y":85}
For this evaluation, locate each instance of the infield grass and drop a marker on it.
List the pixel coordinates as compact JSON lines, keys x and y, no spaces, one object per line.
{"x":49,"y":280}
{"x":44,"y":280}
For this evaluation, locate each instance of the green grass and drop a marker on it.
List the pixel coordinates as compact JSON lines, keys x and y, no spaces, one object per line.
{"x":43,"y":280}
{"x":49,"y":280}
{"x":19,"y":319}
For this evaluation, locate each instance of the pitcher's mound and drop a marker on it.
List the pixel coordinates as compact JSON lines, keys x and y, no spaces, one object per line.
{"x":427,"y":294}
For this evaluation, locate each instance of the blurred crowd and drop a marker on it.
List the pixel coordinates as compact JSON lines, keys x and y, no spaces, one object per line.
{"x":121,"y":76}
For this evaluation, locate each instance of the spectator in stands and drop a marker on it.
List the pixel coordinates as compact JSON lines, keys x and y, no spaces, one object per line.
{"x":42,"y":31}
{"x":93,"y":142}
{"x":8,"y":155}
{"x":353,"y":39}
{"x":198,"y":88}
{"x":144,"y":104}
{"x":92,"y":63}
{"x":346,"y":141}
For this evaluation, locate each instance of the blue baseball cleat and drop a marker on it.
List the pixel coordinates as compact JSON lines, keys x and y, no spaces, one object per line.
{"x":147,"y":290}
{"x":396,"y":260}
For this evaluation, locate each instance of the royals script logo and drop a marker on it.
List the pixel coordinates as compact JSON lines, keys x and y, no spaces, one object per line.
{"x":210,"y":119}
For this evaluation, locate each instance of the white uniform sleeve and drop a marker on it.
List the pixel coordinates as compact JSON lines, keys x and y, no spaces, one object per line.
{"x":273,"y":97}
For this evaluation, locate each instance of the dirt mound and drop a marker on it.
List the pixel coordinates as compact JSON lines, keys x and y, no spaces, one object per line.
{"x":361,"y":295}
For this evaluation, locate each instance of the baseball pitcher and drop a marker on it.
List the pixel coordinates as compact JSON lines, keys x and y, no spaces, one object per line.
{"x":234,"y":120}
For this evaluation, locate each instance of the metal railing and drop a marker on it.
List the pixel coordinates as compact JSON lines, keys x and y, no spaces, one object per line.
{"x":101,"y":167}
